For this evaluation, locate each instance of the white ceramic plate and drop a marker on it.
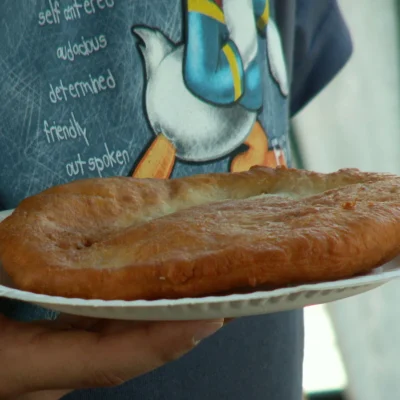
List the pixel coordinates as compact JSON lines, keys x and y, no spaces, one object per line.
{"x":235,"y":305}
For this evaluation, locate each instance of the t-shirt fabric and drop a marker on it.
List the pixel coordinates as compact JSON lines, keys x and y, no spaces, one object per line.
{"x":165,"y":89}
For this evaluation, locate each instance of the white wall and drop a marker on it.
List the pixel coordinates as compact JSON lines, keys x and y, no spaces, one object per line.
{"x":355,"y":122}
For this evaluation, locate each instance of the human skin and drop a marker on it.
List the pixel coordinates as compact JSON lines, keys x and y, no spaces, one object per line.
{"x":47,"y":359}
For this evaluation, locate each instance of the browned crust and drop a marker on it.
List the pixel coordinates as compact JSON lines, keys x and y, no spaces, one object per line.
{"x":126,"y":238}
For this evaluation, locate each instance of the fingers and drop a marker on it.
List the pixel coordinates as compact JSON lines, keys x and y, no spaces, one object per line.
{"x":155,"y":345}
{"x":107,"y":354}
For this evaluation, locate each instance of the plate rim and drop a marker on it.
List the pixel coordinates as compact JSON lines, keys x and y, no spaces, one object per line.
{"x":373,"y":278}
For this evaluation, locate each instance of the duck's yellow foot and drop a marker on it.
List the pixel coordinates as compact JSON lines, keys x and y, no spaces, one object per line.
{"x":158,"y":161}
{"x":256,"y":154}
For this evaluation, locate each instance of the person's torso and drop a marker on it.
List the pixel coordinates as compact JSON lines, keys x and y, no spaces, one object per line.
{"x":163,"y":89}
{"x":142,"y":88}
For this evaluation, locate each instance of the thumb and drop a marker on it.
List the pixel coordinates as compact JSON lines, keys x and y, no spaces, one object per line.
{"x":113,"y":353}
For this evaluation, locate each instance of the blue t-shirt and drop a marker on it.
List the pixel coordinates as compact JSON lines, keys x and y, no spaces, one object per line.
{"x":165,"y":89}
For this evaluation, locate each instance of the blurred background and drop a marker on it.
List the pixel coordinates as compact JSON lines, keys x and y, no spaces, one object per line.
{"x":353,"y":346}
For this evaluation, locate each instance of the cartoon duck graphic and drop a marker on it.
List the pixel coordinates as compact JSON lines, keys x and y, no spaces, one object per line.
{"x":203,"y":96}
